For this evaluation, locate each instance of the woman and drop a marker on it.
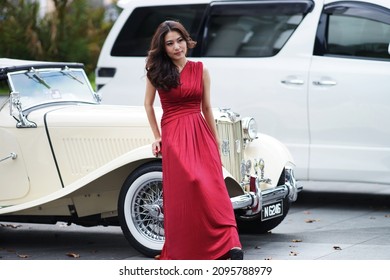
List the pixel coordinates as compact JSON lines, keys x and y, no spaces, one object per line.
{"x":199,"y":221}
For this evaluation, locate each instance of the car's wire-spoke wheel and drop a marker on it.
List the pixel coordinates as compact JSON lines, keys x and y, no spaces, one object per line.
{"x":141,"y":209}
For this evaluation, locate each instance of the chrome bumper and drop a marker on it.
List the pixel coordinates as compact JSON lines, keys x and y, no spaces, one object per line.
{"x":254,"y":201}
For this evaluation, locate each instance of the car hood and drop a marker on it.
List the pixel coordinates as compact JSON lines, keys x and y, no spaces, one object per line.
{"x":97,"y":116}
{"x":85,"y":138}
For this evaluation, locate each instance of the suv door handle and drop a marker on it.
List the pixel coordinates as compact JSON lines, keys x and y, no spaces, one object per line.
{"x":293,"y":81}
{"x":327,"y":83}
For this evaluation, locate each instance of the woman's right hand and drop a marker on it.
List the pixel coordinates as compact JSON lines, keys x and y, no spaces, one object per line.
{"x":156,"y":147}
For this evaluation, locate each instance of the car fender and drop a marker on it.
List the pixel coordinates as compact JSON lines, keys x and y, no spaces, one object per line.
{"x":275,"y":154}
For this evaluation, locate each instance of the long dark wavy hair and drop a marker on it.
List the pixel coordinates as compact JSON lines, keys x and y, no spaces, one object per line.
{"x":161,"y":71}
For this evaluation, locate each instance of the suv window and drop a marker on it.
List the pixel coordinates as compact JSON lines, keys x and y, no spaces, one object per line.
{"x":354,"y":30}
{"x":252,"y":29}
{"x":136,"y":34}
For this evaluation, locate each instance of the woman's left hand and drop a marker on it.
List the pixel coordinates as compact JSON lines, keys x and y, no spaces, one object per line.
{"x":156,"y":147}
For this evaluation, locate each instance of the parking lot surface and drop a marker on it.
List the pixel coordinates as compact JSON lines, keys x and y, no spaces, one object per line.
{"x":329,"y":221}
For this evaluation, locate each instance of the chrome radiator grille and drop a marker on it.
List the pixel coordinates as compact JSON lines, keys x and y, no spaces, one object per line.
{"x":230,"y":135}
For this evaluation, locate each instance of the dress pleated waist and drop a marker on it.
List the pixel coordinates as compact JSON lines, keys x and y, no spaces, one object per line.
{"x":177,"y":112}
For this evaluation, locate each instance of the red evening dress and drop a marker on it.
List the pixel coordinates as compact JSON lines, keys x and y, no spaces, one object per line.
{"x":199,"y":221}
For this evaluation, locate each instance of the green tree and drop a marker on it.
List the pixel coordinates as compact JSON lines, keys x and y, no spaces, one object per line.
{"x":74,"y":31}
{"x":19,"y":30}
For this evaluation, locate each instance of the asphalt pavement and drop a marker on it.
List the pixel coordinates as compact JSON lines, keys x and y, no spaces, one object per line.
{"x":330,"y":221}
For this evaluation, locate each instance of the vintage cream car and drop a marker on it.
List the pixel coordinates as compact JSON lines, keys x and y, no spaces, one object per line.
{"x":65,"y":157}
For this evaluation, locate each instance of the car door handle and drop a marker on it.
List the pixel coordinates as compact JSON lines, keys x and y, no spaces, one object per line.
{"x":293,"y":82}
{"x":327,"y":83}
{"x":11,"y":155}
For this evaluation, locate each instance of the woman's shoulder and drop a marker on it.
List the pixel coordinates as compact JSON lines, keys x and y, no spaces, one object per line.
{"x":195,"y":62}
{"x":198,"y":64}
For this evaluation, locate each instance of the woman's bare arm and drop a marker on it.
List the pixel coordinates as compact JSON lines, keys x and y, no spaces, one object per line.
{"x":150,"y":94}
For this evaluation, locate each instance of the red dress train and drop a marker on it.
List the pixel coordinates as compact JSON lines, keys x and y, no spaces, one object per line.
{"x":199,"y":221}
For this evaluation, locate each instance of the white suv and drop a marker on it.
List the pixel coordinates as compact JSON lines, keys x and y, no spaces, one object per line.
{"x":314,"y":73}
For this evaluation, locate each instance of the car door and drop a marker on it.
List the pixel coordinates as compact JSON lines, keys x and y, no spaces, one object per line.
{"x":258,"y":56}
{"x":14,"y":182}
{"x":349,"y":94}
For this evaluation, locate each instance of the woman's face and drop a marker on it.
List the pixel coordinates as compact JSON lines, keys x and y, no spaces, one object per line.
{"x":175,"y":45}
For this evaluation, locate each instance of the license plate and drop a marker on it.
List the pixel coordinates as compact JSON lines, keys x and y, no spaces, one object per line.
{"x":272,"y":210}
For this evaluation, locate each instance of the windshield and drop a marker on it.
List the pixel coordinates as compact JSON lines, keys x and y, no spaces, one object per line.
{"x":37,"y":87}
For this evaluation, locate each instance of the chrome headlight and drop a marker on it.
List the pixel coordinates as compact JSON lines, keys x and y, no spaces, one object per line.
{"x":249,"y":128}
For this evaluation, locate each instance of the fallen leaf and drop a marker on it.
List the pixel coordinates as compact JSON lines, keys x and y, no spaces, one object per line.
{"x":293,"y":253}
{"x":337,"y":247}
{"x":296,"y":240}
{"x":310,"y":221}
{"x":73,"y":255}
{"x":23,"y":256}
